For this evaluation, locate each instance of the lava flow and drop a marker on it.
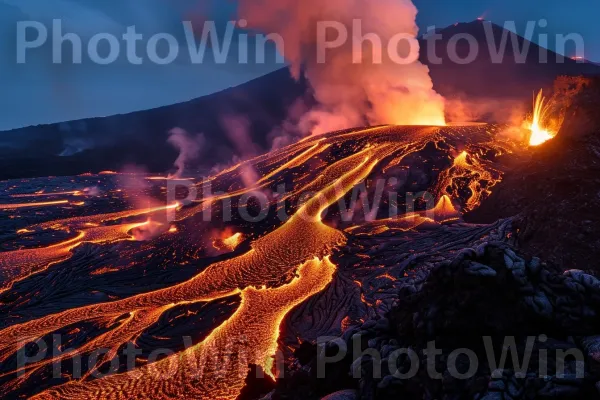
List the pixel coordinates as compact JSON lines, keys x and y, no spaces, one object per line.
{"x":41,"y":194}
{"x":287,"y":262}
{"x":33,"y":205}
{"x":19,"y":264}
{"x":467,"y":175}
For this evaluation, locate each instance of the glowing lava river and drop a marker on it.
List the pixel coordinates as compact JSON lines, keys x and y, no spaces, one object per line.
{"x":132,"y":269}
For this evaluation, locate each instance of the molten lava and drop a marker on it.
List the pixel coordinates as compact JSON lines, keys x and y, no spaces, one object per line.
{"x":18,"y":264}
{"x":444,"y":210}
{"x":228,"y":243}
{"x":39,"y":194}
{"x":539,"y":133}
{"x":467,"y":175}
{"x":285,"y":266}
{"x":31,"y":205}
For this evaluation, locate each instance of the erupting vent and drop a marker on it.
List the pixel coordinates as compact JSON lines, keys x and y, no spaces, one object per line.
{"x":538,"y":124}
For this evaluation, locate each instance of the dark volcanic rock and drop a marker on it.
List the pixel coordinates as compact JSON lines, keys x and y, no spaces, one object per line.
{"x":257,"y":384}
{"x":470,"y":308}
{"x":556,"y":192}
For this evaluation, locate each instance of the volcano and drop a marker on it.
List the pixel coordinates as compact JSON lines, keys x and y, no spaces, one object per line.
{"x":512,"y":77}
{"x":110,"y":143}
{"x":379,"y":261}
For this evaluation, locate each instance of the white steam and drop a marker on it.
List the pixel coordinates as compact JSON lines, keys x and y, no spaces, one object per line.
{"x":352,"y":93}
{"x":189,"y":147}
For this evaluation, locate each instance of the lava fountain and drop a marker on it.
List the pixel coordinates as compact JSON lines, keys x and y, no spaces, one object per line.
{"x":539,"y":133}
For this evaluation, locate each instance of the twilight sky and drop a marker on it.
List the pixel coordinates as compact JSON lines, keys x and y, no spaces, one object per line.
{"x":564,"y":17}
{"x":42,"y":92}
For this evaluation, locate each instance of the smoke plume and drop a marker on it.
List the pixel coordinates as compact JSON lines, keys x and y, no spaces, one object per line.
{"x":189,"y":147}
{"x":237,"y":129}
{"x":351,"y":93}
{"x":485,"y":109}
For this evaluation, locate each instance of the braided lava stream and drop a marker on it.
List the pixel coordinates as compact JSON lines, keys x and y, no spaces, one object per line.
{"x":302,"y":243}
{"x":19,"y":264}
{"x":328,"y":166}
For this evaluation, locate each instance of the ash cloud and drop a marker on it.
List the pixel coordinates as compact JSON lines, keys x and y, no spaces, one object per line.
{"x":351,"y":94}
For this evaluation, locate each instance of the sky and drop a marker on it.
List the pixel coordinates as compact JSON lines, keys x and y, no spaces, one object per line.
{"x":40,"y":91}
{"x":563,"y":17}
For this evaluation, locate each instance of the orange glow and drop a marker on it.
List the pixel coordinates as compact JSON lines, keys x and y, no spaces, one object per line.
{"x":539,"y":132}
{"x":167,"y":178}
{"x":234,"y":240}
{"x":26,"y":205}
{"x":222,"y":358}
{"x":38,"y":194}
{"x":228,"y":243}
{"x":296,"y":254}
{"x":303,"y":240}
{"x":467,"y":173}
{"x":444,"y":211}
{"x":17,"y":265}
{"x":96,"y":220}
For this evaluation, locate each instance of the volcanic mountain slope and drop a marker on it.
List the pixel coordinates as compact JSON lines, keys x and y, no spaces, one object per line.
{"x":117,"y":278}
{"x":111,"y":143}
{"x":556,"y":190}
{"x":510,"y":76}
{"x":490,"y":91}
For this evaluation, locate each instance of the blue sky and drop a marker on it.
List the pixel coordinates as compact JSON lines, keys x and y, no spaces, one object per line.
{"x":40,"y":92}
{"x":563,"y":17}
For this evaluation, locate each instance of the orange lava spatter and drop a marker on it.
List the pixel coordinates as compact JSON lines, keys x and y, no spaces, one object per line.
{"x":539,"y":132}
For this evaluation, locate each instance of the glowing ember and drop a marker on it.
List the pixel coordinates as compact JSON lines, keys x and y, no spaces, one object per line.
{"x":234,"y":241}
{"x":539,"y":133}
